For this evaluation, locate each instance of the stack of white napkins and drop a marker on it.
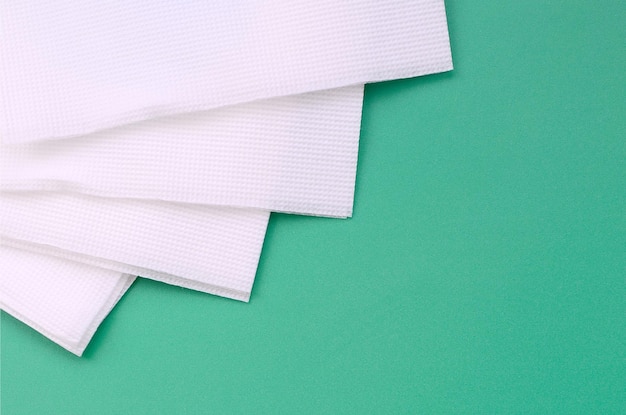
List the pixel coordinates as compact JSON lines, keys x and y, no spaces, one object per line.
{"x":153,"y":139}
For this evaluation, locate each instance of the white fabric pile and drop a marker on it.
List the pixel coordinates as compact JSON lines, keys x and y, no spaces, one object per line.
{"x":153,"y":139}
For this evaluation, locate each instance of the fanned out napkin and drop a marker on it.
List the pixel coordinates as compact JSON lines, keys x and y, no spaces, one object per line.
{"x":210,"y":249}
{"x":72,"y":67}
{"x":295,"y":154}
{"x":64,"y":301}
{"x":153,"y":170}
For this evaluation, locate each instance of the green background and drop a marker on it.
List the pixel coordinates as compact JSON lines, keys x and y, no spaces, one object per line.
{"x":484,"y":270}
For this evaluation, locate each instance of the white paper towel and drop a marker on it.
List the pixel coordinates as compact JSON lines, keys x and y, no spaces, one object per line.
{"x":63,"y":300}
{"x":71,"y":67}
{"x":295,"y":154}
{"x":210,"y":249}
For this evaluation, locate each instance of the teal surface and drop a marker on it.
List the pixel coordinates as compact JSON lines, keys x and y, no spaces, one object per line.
{"x":484,"y":270}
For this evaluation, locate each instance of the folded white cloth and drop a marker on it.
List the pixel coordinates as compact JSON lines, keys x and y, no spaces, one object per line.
{"x":295,"y":154}
{"x":210,"y":249}
{"x":63,"y":300}
{"x":72,"y":67}
{"x":128,"y":87}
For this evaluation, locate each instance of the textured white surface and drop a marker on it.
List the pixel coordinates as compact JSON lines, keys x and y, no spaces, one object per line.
{"x":63,"y":300}
{"x":295,"y":154}
{"x":210,"y":249}
{"x":72,"y":67}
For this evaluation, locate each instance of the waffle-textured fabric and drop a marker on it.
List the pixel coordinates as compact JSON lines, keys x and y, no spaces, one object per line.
{"x":63,"y":300}
{"x":210,"y":249}
{"x":295,"y":154}
{"x":72,"y":67}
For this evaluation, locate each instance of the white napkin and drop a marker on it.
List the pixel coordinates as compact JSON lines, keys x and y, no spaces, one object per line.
{"x":131,"y":83}
{"x":295,"y":154}
{"x":72,"y":67}
{"x":64,"y":301}
{"x":210,"y":249}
